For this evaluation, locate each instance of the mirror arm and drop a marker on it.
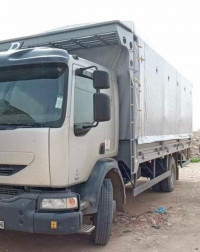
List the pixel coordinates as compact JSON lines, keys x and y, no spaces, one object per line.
{"x":80,"y":70}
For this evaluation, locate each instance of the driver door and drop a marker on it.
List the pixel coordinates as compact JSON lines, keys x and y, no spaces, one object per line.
{"x":85,"y":138}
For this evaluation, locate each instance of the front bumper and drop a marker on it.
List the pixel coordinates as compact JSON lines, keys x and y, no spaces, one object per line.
{"x":20,"y":213}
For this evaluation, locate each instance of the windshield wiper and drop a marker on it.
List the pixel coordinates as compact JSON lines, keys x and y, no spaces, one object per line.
{"x":32,"y":125}
{"x":15,"y":126}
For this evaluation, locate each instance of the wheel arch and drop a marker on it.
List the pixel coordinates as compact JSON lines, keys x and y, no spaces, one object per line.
{"x":90,"y":190}
{"x":118,"y":189}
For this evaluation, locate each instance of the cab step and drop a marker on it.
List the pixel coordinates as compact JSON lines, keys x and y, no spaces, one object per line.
{"x":86,"y":229}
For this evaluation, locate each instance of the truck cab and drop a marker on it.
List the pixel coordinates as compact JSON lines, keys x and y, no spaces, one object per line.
{"x":58,"y":118}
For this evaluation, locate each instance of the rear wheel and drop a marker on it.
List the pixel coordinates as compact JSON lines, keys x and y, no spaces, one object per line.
{"x":168,"y":184}
{"x":114,"y":210}
{"x":157,"y":187}
{"x":104,"y":217}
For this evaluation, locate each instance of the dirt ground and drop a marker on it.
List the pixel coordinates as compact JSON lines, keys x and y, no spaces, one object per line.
{"x":139,"y":229}
{"x":195,"y":150}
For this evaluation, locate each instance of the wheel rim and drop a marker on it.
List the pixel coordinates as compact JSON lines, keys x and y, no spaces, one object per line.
{"x":173,"y":175}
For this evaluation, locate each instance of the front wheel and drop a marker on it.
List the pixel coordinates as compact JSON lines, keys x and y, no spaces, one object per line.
{"x":104,"y":217}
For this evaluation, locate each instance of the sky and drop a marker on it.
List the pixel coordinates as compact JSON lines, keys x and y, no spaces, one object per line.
{"x":171,"y":27}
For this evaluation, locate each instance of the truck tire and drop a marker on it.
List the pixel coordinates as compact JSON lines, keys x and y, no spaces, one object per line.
{"x":157,"y":187}
{"x":104,"y":217}
{"x":168,"y":184}
{"x":114,"y":210}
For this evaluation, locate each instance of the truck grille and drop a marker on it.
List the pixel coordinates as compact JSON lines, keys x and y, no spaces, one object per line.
{"x":8,"y":170}
{"x":10,"y":191}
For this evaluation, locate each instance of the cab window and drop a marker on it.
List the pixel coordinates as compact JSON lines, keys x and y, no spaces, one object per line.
{"x":83,"y":101}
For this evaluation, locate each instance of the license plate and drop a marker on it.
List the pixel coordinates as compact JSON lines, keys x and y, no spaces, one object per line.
{"x":1,"y":224}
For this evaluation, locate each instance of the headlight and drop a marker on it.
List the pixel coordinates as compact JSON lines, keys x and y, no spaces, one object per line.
{"x":59,"y":204}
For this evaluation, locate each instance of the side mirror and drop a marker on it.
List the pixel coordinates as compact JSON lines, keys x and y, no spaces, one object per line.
{"x":101,"y":107}
{"x":101,"y":79}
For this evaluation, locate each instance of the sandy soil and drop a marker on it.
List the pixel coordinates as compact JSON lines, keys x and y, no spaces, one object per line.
{"x":139,"y":229}
{"x":195,"y":150}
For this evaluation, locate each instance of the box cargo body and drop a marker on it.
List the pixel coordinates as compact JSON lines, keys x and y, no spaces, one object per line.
{"x":147,"y":133}
{"x":161,"y":94}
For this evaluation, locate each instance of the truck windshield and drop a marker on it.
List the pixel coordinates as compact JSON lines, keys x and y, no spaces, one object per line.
{"x":33,"y":95}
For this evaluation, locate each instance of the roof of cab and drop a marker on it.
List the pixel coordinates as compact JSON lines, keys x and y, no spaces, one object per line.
{"x":33,"y":56}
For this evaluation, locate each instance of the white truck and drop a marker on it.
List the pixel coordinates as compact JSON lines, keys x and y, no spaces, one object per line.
{"x":84,"y":110}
